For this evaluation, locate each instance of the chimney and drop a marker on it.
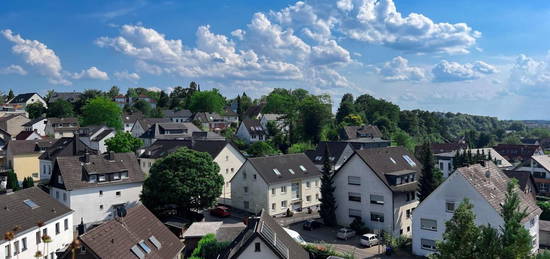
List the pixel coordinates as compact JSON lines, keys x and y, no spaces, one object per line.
{"x":81,"y":229}
{"x":75,"y":139}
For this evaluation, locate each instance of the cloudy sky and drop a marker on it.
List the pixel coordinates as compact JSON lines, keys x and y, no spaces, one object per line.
{"x":478,"y":57}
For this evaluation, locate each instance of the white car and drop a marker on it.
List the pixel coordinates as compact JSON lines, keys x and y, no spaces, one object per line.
{"x":345,"y":233}
{"x":369,"y":240}
{"x":296,"y":236}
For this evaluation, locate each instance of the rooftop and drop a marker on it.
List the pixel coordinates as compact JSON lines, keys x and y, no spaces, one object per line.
{"x":284,"y":168}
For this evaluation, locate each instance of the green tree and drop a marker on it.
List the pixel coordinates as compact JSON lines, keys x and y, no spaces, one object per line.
{"x":516,"y":240}
{"x":511,"y":139}
{"x":346,"y":108}
{"x":12,"y":182}
{"x":164,"y":100}
{"x":328,"y":201}
{"x":353,"y":120}
{"x":427,"y":182}
{"x":314,"y":114}
{"x":102,"y":111}
{"x":261,"y":148}
{"x":545,"y":206}
{"x":207,"y":101}
{"x":123,"y":142}
{"x":401,"y":138}
{"x":208,"y":247}
{"x":35,"y":110}
{"x":10,"y":95}
{"x":114,"y":91}
{"x":143,"y":107}
{"x":489,"y":244}
{"x":300,"y":147}
{"x":461,"y":236}
{"x":28,"y":182}
{"x":60,"y":109}
{"x":186,"y":178}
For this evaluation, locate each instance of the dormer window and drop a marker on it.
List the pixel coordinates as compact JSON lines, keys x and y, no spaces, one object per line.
{"x":101,"y":178}
{"x":124,"y":175}
{"x":116,"y":176}
{"x":93,"y":178}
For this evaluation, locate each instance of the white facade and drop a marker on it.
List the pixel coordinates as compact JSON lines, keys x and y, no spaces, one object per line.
{"x":361,"y":193}
{"x":39,"y":127}
{"x":25,"y":242}
{"x":98,"y":144}
{"x":94,"y":205}
{"x":264,"y":252}
{"x":35,"y":98}
{"x":46,"y":169}
{"x":430,"y":216}
{"x":251,"y":193}
{"x":137,"y":129}
{"x":244,"y":134}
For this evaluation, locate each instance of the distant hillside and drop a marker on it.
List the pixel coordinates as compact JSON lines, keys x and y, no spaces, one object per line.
{"x":537,"y":123}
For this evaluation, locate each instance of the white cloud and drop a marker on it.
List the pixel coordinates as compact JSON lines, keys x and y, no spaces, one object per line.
{"x":447,"y":71}
{"x":38,"y":55}
{"x":398,"y":69}
{"x":13,"y":69}
{"x":530,"y":73}
{"x":154,"y":89}
{"x":239,"y":34}
{"x":91,"y":73}
{"x":125,"y":75}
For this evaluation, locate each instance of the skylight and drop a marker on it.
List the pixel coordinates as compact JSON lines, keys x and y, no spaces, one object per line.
{"x":303,"y":168}
{"x":291,"y":171}
{"x":276,"y":171}
{"x":391,"y":158}
{"x":409,"y":160}
{"x":155,"y":242}
{"x":137,"y":252}
{"x":31,"y":204}
{"x":144,"y":246}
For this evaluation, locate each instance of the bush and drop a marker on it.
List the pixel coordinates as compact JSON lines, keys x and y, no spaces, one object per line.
{"x":323,"y":251}
{"x":359,"y":226}
{"x":208,"y":248}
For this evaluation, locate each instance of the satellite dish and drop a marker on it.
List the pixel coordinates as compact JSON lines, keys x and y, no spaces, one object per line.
{"x":121,"y":212}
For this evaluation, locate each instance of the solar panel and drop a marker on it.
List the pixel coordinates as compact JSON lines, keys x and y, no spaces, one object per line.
{"x":144,"y":246}
{"x":155,"y":242}
{"x":31,"y":204}
{"x":137,"y":252}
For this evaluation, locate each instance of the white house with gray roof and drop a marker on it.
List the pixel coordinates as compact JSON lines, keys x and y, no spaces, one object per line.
{"x":276,"y":183}
{"x":485,"y":187}
{"x":539,"y":167}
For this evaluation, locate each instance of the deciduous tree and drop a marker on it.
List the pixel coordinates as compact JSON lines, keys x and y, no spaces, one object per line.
{"x":35,"y":110}
{"x":123,"y":142}
{"x":102,"y":111}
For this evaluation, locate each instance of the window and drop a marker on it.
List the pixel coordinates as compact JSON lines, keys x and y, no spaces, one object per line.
{"x":308,"y":184}
{"x":449,"y":167}
{"x":539,"y":174}
{"x":246,"y":204}
{"x":232,"y":170}
{"x":226,"y":170}
{"x":398,"y":180}
{"x":23,"y":244}
{"x":57,"y":230}
{"x":100,"y":193}
{"x":353,"y":213}
{"x":354,"y":180}
{"x":254,"y":176}
{"x":441,"y":166}
{"x":450,"y":206}
{"x":354,"y":196}
{"x":44,"y":232}
{"x":7,"y":251}
{"x":413,"y":196}
{"x":226,"y":158}
{"x":257,"y":247}
{"x":64,"y":196}
{"x":316,"y":183}
{"x":144,"y":246}
{"x":428,"y":224}
{"x":377,"y":199}
{"x":117,"y":193}
{"x":116,"y":176}
{"x":308,"y":198}
{"x":124,"y":175}
{"x":272,"y":191}
{"x":65,"y":224}
{"x":379,"y":217}
{"x":283,"y":188}
{"x":317,"y":196}
{"x":409,"y":229}
{"x":57,"y":195}
{"x":244,"y":175}
{"x":283,"y":204}
{"x":100,"y":207}
{"x":101,"y":178}
{"x":273,"y":206}
{"x":16,"y":247}
{"x":408,"y":213}
{"x":38,"y":239}
{"x":245,"y":189}
{"x":427,"y":244}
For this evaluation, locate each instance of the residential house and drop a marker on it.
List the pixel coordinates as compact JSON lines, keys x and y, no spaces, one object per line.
{"x":276,"y":184}
{"x":135,"y":234}
{"x":445,"y":161}
{"x":517,"y":153}
{"x":38,"y":125}
{"x":225,"y":154}
{"x":338,"y":152}
{"x":5,"y":137}
{"x":438,"y":148}
{"x":485,"y":187}
{"x":141,"y":125}
{"x":172,"y":130}
{"x":28,"y":135}
{"x":530,"y":141}
{"x":26,"y":209}
{"x":13,"y":123}
{"x":378,"y":186}
{"x":25,"y":99}
{"x":178,"y":115}
{"x":23,"y":157}
{"x":94,"y":186}
{"x":275,"y":118}
{"x":96,"y":136}
{"x":230,"y":116}
{"x":210,"y":121}
{"x":526,"y":182}
{"x":358,"y":132}
{"x":61,"y":127}
{"x":7,"y":109}
{"x":251,"y":131}
{"x":121,"y":100}
{"x":71,"y":97}
{"x":130,"y":119}
{"x":545,"y":144}
{"x":195,"y":232}
{"x":147,"y":99}
{"x":263,"y":237}
{"x":62,"y":147}
{"x":539,"y":167}
{"x":254,"y":112}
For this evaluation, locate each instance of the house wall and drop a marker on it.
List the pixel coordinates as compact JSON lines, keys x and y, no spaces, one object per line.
{"x":64,"y":134}
{"x":445,"y":164}
{"x":544,"y":238}
{"x":265,"y":251}
{"x":15,"y":125}
{"x":59,"y":241}
{"x":137,"y":130}
{"x":313,"y":192}
{"x":26,"y":165}
{"x":257,"y":189}
{"x":230,"y":161}
{"x":46,"y":168}
{"x":242,"y":133}
{"x":39,"y":127}
{"x":346,"y":154}
{"x":86,"y":202}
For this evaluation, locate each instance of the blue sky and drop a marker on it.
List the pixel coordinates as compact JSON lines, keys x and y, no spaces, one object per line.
{"x":478,"y":57}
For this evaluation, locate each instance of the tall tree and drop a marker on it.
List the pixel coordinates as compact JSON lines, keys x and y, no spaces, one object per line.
{"x":114,"y":91}
{"x":461,"y":236}
{"x":328,"y":201}
{"x":516,"y":240}
{"x":164,"y":100}
{"x":346,"y":107}
{"x":60,"y":109}
{"x":35,"y":110}
{"x":123,"y":142}
{"x":261,"y":148}
{"x":207,"y":101}
{"x":186,"y":178}
{"x":143,"y":106}
{"x":28,"y":182}
{"x":102,"y":111}
{"x":427,"y":182}
{"x":12,"y":182}
{"x":10,"y":95}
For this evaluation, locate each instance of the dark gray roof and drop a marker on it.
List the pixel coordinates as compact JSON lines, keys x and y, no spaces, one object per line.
{"x":74,"y":170}
{"x":265,"y":166}
{"x":132,"y":118}
{"x":491,"y":183}
{"x":63,"y":120}
{"x":103,"y":134}
{"x":177,"y":113}
{"x":272,"y":234}
{"x":21,"y":98}
{"x":66,"y":147}
{"x":364,"y":131}
{"x":164,"y":147}
{"x":523,"y":178}
{"x":66,"y":96}
{"x":228,"y":233}
{"x":389,"y":160}
{"x":158,"y":130}
{"x":33,"y":121}
{"x":207,"y":117}
{"x":19,"y":147}
{"x":147,"y":123}
{"x":254,"y":110}
{"x":14,"y":212}
{"x":335,"y":149}
{"x":254,"y":127}
{"x":116,"y":237}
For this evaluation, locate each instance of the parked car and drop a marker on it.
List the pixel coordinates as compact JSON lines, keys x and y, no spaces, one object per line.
{"x":345,"y":233}
{"x":311,"y":224}
{"x":220,"y":211}
{"x":369,"y":240}
{"x":296,"y":236}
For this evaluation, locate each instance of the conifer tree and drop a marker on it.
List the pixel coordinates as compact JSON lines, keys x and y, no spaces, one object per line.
{"x":12,"y":183}
{"x":516,"y":240}
{"x":427,"y":181}
{"x":461,"y":236}
{"x":328,"y":202}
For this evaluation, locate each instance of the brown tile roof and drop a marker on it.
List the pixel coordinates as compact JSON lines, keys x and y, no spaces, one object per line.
{"x":66,"y":147}
{"x":115,"y":238}
{"x":491,"y":183}
{"x":353,"y":132}
{"x":516,"y":152}
{"x":74,"y":170}
{"x":63,"y":120}
{"x":14,"y":212}
{"x":265,"y":166}
{"x":19,"y":147}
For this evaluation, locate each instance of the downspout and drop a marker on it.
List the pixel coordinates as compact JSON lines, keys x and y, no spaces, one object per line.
{"x":393,"y":213}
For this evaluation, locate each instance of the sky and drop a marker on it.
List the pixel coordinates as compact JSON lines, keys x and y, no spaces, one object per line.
{"x":477,"y":57}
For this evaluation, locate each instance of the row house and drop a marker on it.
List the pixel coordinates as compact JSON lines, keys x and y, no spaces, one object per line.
{"x":517,"y":153}
{"x":211,"y":121}
{"x":182,"y":115}
{"x":276,"y":184}
{"x":485,"y":187}
{"x":173,"y":130}
{"x":378,"y":186}
{"x":444,"y":161}
{"x":13,"y":123}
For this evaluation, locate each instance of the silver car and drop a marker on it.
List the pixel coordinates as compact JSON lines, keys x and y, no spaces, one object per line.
{"x":345,"y":233}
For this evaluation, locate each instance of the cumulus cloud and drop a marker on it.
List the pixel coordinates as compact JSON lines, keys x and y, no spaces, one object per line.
{"x":38,"y":55}
{"x":398,"y":69}
{"x":91,"y":73}
{"x":125,"y":75}
{"x":154,"y":89}
{"x":13,"y":69}
{"x":529,"y":72}
{"x":447,"y":71}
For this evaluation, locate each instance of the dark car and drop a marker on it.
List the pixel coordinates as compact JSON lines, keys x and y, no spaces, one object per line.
{"x":220,"y":211}
{"x":311,"y":224}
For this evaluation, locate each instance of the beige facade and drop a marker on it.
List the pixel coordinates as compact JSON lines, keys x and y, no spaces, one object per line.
{"x":25,"y":165}
{"x":14,"y":125}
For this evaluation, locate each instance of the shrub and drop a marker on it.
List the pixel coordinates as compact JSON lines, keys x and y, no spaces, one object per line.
{"x":359,"y":226}
{"x":208,"y":248}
